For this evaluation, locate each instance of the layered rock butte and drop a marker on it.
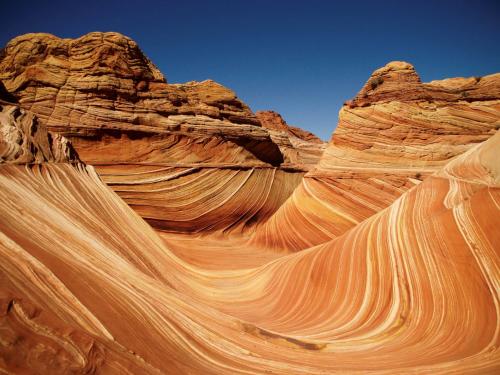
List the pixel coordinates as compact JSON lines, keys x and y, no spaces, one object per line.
{"x":150,"y":227}
{"x":392,"y":135}
{"x":146,"y":137}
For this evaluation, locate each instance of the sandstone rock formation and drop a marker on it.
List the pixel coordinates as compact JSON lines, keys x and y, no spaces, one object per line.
{"x":97,"y":289}
{"x":23,"y":140}
{"x":300,"y":148}
{"x":179,"y":251}
{"x":147,"y":138}
{"x":415,"y":124}
{"x":273,"y":121}
{"x":101,"y":86}
{"x":393,"y":134}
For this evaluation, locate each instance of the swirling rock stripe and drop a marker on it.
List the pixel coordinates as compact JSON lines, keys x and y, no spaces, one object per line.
{"x":218,"y":251}
{"x":389,"y":138}
{"x":413,"y":289}
{"x":201,"y":199}
{"x":326,"y":205}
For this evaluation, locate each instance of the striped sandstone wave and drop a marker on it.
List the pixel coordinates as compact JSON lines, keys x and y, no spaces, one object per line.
{"x":147,"y":137}
{"x":412,"y":289}
{"x":393,"y":134}
{"x":151,"y":228}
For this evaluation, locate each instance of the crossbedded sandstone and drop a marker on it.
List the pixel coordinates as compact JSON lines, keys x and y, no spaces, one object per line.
{"x":119,"y":113}
{"x":392,"y":135}
{"x":101,"y":86}
{"x":98,"y":290}
{"x":23,"y":140}
{"x":177,"y":251}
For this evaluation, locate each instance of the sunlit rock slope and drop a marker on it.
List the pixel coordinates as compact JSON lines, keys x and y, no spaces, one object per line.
{"x":187,"y":240}
{"x":88,"y":286}
{"x":392,"y":135}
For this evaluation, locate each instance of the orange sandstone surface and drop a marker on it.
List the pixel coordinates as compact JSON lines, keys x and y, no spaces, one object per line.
{"x":392,"y":135}
{"x":146,"y":137}
{"x":299,"y":147}
{"x":155,"y":228}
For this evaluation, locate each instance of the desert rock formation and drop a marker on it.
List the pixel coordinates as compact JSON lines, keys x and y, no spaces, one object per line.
{"x":147,"y":137}
{"x":97,"y":289}
{"x":393,"y":134}
{"x":299,"y":147}
{"x":161,"y":250}
{"x":102,"y":87}
{"x":23,"y":140}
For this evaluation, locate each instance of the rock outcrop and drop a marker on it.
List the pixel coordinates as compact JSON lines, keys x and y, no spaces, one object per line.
{"x":179,"y":252}
{"x":98,"y":291}
{"x":146,"y":137}
{"x":392,"y":135}
{"x":397,"y":120}
{"x":273,"y":121}
{"x":102,"y":93}
{"x":300,"y":148}
{"x":24,"y":141}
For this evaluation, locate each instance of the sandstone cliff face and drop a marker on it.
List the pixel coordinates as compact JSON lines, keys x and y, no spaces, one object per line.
{"x":300,"y":148}
{"x":397,"y":120}
{"x":392,"y":135}
{"x":148,"y":138}
{"x":101,"y":91}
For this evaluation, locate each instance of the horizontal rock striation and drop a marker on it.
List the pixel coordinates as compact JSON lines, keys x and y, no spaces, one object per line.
{"x":273,"y":121}
{"x":403,"y":122}
{"x":101,"y":84}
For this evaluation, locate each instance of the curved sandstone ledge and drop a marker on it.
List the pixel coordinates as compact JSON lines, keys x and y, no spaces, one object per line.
{"x":195,"y":199}
{"x":242,"y":166}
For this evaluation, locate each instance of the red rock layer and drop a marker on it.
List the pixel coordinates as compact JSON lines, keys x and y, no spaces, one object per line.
{"x":197,"y":200}
{"x":102,"y":86}
{"x":402,"y":122}
{"x":273,"y":121}
{"x":404,"y":277}
{"x":413,"y":289}
{"x":393,"y":134}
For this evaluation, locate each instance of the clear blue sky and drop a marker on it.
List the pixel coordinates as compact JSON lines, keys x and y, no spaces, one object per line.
{"x":300,"y":58}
